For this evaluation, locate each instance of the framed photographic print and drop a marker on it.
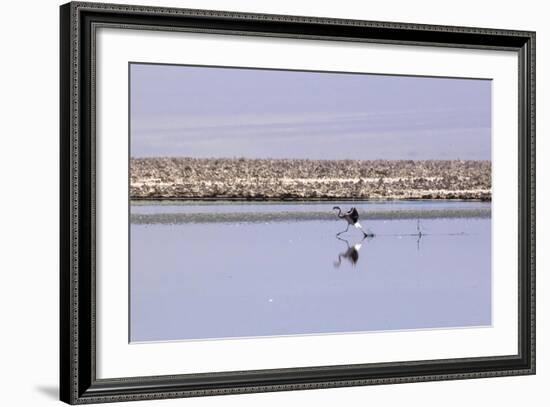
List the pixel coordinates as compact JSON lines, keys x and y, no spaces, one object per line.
{"x":256,"y":203}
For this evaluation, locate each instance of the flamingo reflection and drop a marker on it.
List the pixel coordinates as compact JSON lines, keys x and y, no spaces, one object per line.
{"x":351,"y":254}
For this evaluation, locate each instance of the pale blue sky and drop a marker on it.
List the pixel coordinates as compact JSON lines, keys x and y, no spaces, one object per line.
{"x":230,"y":112}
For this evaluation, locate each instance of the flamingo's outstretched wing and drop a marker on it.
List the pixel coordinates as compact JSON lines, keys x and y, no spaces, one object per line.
{"x":354,"y":215}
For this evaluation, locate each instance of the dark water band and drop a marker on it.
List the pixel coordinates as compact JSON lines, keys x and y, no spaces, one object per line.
{"x":296,"y":216}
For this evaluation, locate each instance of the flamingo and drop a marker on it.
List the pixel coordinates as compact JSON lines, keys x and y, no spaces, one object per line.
{"x":352,"y":217}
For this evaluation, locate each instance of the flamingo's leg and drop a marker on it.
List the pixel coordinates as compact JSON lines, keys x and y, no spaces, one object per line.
{"x":343,"y":231}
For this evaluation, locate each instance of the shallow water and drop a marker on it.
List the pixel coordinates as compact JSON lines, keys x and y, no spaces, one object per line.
{"x":221,"y":274}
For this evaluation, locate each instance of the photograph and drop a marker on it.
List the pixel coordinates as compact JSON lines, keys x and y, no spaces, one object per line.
{"x":257,"y":201}
{"x":268,"y":202}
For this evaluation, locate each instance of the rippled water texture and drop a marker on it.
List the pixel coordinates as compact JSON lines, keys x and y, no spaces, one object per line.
{"x":219,"y":270}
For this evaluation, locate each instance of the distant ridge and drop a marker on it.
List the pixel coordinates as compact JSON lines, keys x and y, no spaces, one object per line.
{"x":289,"y":179}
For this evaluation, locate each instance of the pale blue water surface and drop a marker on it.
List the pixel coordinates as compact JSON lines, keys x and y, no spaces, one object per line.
{"x":221,"y":270}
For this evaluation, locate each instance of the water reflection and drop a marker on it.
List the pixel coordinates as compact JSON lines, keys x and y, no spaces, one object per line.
{"x":351,"y":254}
{"x":420,"y":234}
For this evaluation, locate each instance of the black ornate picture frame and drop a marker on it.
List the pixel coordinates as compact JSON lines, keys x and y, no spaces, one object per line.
{"x":78,"y":381}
